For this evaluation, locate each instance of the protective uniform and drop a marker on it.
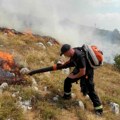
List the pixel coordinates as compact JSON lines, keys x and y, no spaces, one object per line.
{"x":86,"y":82}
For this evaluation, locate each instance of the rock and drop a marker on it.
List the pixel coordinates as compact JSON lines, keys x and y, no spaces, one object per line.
{"x":24,"y":71}
{"x":81,"y":104}
{"x":35,"y":88}
{"x":40,"y":44}
{"x":4,"y":85}
{"x":45,"y":88}
{"x":29,"y":108}
{"x":13,"y":95}
{"x":114,"y":107}
{"x":73,"y":95}
{"x":27,"y":103}
{"x":59,"y":62}
{"x":34,"y":83}
{"x":49,"y":43}
{"x":66,"y":71}
{"x":56,"y":98}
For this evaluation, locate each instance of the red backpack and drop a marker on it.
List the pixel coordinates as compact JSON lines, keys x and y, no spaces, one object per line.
{"x":93,"y":55}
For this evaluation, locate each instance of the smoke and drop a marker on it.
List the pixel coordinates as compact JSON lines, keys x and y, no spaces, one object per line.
{"x":60,"y":19}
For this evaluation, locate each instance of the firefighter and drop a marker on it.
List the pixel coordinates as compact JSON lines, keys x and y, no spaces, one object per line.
{"x":82,"y":71}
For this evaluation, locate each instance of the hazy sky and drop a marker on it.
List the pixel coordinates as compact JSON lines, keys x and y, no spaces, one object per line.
{"x":61,"y":19}
{"x":102,"y":13}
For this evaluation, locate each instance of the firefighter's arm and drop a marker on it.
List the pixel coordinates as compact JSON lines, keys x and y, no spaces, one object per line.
{"x":79,"y":74}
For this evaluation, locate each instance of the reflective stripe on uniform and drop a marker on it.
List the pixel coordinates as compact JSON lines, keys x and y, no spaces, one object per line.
{"x":98,"y":107}
{"x":67,"y":93}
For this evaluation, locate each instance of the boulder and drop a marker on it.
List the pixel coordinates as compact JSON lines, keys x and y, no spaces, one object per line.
{"x":114,"y":107}
{"x":40,"y":44}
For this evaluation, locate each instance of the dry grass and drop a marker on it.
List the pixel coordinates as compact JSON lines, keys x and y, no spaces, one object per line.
{"x":8,"y":108}
{"x":28,"y":54}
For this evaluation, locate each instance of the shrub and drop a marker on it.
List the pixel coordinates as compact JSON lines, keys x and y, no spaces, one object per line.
{"x":117,"y":61}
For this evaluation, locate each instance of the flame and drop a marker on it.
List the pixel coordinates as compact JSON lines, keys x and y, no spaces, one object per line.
{"x":7,"y":60}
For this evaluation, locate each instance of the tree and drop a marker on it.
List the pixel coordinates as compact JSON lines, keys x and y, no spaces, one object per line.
{"x":117,"y":61}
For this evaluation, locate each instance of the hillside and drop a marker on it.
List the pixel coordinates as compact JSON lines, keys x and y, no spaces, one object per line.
{"x":97,"y":33}
{"x":27,"y":50}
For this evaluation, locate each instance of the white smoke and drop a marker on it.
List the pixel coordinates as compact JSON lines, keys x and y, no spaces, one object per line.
{"x":53,"y":18}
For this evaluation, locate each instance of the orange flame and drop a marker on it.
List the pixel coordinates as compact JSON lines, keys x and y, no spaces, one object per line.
{"x":7,"y":60}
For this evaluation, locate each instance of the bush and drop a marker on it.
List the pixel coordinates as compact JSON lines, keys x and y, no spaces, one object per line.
{"x":117,"y":61}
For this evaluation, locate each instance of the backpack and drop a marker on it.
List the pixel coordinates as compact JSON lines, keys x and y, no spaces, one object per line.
{"x":93,"y":55}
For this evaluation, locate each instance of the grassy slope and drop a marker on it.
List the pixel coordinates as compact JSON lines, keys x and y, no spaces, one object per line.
{"x":28,"y":54}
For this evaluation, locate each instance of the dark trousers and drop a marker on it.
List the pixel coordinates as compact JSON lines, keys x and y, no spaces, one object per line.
{"x":87,"y":87}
